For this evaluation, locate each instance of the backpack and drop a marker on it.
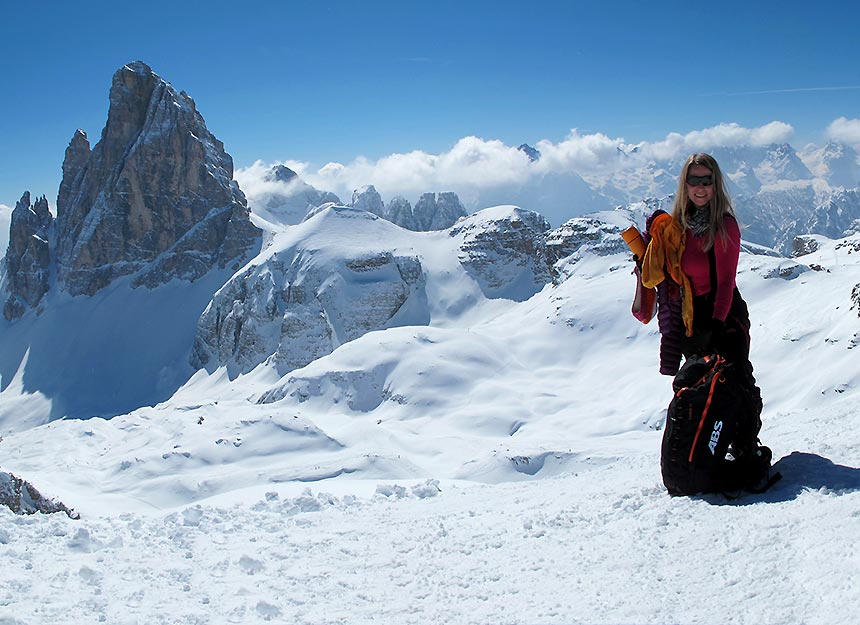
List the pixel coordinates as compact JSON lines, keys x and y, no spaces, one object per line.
{"x":714,"y":407}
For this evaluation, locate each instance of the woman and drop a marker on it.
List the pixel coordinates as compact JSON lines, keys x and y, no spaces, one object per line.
{"x":710,"y":261}
{"x":693,"y":257}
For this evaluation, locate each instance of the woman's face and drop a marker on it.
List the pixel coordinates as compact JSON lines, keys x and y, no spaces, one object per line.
{"x":699,"y":193}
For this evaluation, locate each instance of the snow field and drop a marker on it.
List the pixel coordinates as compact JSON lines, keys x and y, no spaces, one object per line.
{"x":601,"y":546}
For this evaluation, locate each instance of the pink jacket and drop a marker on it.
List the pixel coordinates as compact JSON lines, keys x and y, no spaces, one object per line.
{"x":695,"y":265}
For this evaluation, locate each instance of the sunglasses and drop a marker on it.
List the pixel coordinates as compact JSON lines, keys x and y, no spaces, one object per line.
{"x":699,"y":181}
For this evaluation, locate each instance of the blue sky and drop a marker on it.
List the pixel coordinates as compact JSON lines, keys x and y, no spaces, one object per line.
{"x":331,"y":81}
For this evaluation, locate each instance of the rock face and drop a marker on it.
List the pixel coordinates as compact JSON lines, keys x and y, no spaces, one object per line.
{"x":77,"y":155}
{"x":399,"y":211}
{"x":432,"y":211}
{"x":803,"y":245}
{"x":28,"y":257}
{"x":593,"y":233}
{"x":437,"y":211}
{"x":503,"y":249}
{"x":836,"y":216}
{"x":155,"y":196}
{"x":304,"y":301}
{"x":597,"y":234}
{"x":368,"y":199}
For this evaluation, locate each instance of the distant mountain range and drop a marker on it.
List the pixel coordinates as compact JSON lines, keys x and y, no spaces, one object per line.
{"x":778,"y":192}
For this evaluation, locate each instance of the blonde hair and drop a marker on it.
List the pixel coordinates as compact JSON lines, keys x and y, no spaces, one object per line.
{"x":720,"y":204}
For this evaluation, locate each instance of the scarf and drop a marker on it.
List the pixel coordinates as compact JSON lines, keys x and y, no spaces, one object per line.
{"x":699,"y":220}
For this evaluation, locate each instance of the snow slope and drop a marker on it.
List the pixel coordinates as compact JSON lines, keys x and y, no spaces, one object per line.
{"x":500,"y":465}
{"x":55,"y":364}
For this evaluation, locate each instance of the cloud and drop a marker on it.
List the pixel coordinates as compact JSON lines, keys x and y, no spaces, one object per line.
{"x":254,"y":179}
{"x":844,"y":130}
{"x":472,"y":163}
{"x":479,"y":169}
{"x":720,"y":136}
{"x":582,"y":153}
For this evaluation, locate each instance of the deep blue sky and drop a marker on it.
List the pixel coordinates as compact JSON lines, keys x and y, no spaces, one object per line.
{"x":321,"y":81}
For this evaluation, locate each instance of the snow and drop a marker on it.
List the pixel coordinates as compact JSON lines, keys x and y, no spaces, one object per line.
{"x":499,"y":465}
{"x":147,"y":334}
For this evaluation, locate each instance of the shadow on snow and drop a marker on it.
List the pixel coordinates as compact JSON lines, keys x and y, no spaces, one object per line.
{"x":800,"y":472}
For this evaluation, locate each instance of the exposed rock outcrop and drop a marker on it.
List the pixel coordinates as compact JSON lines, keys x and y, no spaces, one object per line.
{"x":303,"y":301}
{"x":368,"y":199}
{"x":438,"y":211}
{"x":590,"y":232}
{"x":21,"y":497}
{"x":433,"y":211}
{"x":503,"y":249}
{"x":28,"y":257}
{"x":399,"y":211}
{"x":74,"y":163}
{"x":155,"y":196}
{"x":804,"y":244}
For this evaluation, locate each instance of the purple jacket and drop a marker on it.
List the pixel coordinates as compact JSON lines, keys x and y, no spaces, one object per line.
{"x":669,"y":319}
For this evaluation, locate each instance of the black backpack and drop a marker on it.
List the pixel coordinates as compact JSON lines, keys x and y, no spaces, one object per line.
{"x":715,"y":406}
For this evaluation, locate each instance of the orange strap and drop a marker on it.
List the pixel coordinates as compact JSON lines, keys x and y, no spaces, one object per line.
{"x":717,"y":377}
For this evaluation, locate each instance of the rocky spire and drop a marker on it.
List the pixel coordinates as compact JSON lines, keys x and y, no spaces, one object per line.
{"x":438,"y":211}
{"x":155,"y":196}
{"x":27,"y":261}
{"x":433,"y":211}
{"x":77,"y":154}
{"x":368,"y":199}
{"x":399,"y":211}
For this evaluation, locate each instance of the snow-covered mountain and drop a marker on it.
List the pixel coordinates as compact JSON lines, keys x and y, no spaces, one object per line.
{"x":835,"y":162}
{"x":779,"y":192}
{"x":775,"y":192}
{"x":286,"y":198}
{"x":366,"y":423}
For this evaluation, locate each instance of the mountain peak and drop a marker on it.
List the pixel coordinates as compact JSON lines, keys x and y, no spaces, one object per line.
{"x":126,"y":207}
{"x":281,"y":173}
{"x":137,"y":67}
{"x":28,"y":258}
{"x":532,"y":153}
